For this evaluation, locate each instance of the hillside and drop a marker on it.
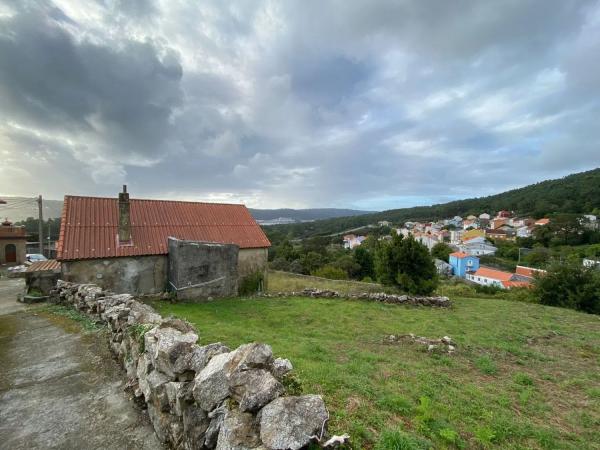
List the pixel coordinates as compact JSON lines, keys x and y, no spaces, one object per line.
{"x":303,"y":215}
{"x":576,"y":193}
{"x":20,"y":208}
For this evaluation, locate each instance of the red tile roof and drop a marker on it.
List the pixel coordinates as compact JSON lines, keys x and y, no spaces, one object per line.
{"x":51,"y":265}
{"x":493,"y":273}
{"x":459,"y":255}
{"x":89,"y":227}
{"x":528,"y":271}
{"x":511,"y":284}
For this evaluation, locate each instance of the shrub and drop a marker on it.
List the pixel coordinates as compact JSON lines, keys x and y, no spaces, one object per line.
{"x":251,"y":284}
{"x":570,"y":285}
{"x":486,"y":365}
{"x":333,"y":273}
{"x":490,"y":290}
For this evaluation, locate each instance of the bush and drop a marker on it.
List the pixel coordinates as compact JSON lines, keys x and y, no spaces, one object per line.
{"x":570,"y":285}
{"x":490,"y":290}
{"x":333,"y":273}
{"x":251,"y":284}
{"x":407,"y":264}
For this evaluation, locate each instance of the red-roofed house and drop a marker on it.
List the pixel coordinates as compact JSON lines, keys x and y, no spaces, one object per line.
{"x":542,"y":222}
{"x":491,"y":277}
{"x":122,"y":244}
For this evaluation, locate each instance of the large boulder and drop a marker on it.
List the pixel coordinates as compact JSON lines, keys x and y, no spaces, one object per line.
{"x":195,"y":424}
{"x":171,"y":344}
{"x":281,"y":367}
{"x":216,"y":420}
{"x":211,"y":385}
{"x":254,"y":388}
{"x":250,"y":356}
{"x":198,"y":358}
{"x":239,"y":431}
{"x":290,"y":422}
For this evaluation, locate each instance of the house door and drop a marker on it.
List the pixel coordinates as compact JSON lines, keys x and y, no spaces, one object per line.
{"x":11,"y":253}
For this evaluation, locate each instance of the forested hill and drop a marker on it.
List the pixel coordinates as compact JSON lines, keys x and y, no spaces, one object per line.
{"x":577,"y":193}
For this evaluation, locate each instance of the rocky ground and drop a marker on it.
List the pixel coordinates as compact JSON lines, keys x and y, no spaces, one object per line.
{"x":60,"y":388}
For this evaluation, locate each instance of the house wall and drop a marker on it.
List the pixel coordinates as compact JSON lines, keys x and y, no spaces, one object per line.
{"x":134,"y":275}
{"x":146,"y":274}
{"x":251,"y":260}
{"x":484,"y":281}
{"x":202,"y":270}
{"x":20,"y":244}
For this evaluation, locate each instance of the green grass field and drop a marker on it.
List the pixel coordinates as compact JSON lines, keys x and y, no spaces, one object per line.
{"x":524,"y":375}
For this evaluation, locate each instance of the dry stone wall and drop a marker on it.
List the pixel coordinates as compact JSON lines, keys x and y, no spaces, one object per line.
{"x":435,"y":301}
{"x":202,"y":397}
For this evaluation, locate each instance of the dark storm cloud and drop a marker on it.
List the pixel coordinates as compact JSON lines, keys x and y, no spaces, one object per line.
{"x":338,"y":103}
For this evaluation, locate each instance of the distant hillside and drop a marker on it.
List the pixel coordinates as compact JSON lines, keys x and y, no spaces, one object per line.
{"x":577,"y":193}
{"x":303,"y":215}
{"x":20,"y":208}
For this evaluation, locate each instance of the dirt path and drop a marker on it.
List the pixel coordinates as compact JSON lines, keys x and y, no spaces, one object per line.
{"x":60,"y":388}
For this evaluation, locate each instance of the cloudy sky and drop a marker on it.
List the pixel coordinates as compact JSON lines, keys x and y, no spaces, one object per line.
{"x":363,"y":104}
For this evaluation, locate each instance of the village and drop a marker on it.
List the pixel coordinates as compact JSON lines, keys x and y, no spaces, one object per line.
{"x":471,"y":238}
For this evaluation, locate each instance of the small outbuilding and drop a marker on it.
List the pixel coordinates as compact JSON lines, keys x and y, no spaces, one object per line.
{"x":13,"y":243}
{"x":122,"y":244}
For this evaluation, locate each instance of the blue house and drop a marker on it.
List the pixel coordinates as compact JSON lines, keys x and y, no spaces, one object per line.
{"x":462,"y":263}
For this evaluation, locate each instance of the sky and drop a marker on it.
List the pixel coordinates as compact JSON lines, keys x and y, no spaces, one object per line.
{"x":357,"y":104}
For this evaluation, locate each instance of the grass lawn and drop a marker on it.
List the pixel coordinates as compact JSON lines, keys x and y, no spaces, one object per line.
{"x":524,"y":375}
{"x":292,"y":282}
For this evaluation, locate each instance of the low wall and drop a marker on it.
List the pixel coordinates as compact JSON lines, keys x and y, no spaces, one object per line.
{"x":202,"y":397}
{"x":417,"y":300}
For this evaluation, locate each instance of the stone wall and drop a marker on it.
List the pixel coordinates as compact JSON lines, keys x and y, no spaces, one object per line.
{"x":202,"y":397}
{"x":133,"y":275}
{"x":199,"y":270}
{"x":416,"y":300}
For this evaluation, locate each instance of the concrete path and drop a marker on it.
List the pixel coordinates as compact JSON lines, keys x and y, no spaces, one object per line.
{"x":61,"y":388}
{"x":9,"y":289}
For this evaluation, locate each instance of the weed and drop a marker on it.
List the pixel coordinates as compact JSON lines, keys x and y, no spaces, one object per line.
{"x":399,"y":440}
{"x":138,"y":332}
{"x":486,"y":365}
{"x":84,"y":321}
{"x":523,"y":379}
{"x":485,"y":436}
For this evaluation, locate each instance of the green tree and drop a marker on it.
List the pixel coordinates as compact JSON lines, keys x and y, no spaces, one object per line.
{"x":406,"y":263}
{"x":348,"y":265}
{"x":364,"y":259}
{"x":312,"y":261}
{"x":441,"y":251}
{"x":570,"y":285}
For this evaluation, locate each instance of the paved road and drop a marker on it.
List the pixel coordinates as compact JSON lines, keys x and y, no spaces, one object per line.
{"x":60,"y":388}
{"x":9,"y":289}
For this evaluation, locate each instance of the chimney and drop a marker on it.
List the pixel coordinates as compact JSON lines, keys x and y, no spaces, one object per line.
{"x":124,"y":217}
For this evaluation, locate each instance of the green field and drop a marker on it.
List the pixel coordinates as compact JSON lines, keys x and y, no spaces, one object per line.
{"x":523,"y":376}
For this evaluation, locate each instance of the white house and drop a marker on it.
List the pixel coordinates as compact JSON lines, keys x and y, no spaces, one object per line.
{"x":351,"y":241}
{"x":477,"y":248}
{"x":485,"y":216}
{"x":591,"y":262}
{"x":523,"y":232}
{"x":499,"y":278}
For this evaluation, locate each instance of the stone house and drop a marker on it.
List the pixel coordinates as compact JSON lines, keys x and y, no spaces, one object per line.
{"x":123,"y":245}
{"x":13,"y":243}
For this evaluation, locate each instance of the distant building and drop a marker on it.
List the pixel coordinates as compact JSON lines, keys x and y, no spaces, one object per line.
{"x":591,"y":262}
{"x":13,"y":242}
{"x":498,"y":234}
{"x":485,"y":216}
{"x":470,"y":234}
{"x":462,"y":263}
{"x":497,"y":223}
{"x":475,"y":247}
{"x":351,"y":241}
{"x":384,"y":223}
{"x":529,"y":272}
{"x":524,"y":231}
{"x":542,"y":222}
{"x":504,"y":214}
{"x":486,"y":276}
{"x":442,"y":267}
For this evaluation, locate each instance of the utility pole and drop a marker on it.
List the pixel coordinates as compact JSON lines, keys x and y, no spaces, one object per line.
{"x":40,"y":224}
